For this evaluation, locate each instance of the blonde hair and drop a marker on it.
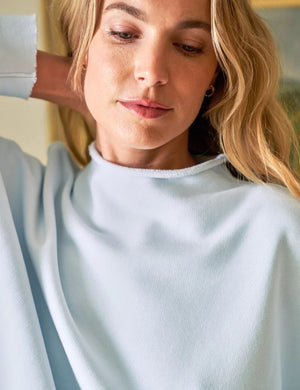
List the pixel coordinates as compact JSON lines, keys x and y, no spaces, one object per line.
{"x":249,"y":124}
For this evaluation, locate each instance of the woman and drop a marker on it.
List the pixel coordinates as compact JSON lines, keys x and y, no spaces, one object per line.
{"x":156,"y":266}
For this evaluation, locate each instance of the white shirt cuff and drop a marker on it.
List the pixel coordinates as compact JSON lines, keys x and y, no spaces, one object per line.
{"x":18,"y":47}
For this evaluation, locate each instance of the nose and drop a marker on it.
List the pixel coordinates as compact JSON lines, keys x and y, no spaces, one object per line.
{"x":151,"y":65}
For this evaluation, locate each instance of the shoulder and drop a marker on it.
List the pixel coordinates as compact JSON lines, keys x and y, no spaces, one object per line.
{"x":19,"y":169}
{"x":14,"y":161}
{"x":274,"y":211}
{"x":269,"y":216}
{"x":61,"y":169}
{"x":265,"y":196}
{"x":270,"y":204}
{"x":10,"y":149}
{"x":276,"y":201}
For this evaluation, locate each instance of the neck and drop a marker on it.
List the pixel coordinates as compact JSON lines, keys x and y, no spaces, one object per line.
{"x":174,"y":155}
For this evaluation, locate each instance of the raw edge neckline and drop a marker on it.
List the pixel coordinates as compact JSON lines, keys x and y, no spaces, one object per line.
{"x":157,"y":173}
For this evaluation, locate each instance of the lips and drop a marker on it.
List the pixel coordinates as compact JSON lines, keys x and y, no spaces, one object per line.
{"x":145,"y":108}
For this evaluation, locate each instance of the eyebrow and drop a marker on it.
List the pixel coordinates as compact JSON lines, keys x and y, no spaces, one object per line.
{"x":137,"y":13}
{"x":141,"y":15}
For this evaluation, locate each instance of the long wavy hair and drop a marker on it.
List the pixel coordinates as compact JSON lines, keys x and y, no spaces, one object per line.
{"x":244,"y":119}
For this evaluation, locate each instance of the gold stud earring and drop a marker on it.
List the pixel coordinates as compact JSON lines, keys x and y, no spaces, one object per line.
{"x":84,"y":66}
{"x":210,"y":92}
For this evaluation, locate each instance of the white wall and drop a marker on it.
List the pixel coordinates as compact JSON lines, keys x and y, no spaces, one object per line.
{"x":25,"y":121}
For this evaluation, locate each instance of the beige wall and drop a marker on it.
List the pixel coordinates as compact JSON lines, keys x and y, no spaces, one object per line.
{"x":25,"y":121}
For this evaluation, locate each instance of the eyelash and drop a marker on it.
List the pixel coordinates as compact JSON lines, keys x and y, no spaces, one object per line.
{"x":192,"y":51}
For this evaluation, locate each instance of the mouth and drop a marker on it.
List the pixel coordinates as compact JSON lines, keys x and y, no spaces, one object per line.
{"x":145,"y":111}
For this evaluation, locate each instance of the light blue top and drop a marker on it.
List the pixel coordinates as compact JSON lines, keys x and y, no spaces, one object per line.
{"x":118,"y":278}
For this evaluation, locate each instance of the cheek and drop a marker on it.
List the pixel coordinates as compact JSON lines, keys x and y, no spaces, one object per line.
{"x":201,"y":78}
{"x":103,"y":74}
{"x":192,"y":87}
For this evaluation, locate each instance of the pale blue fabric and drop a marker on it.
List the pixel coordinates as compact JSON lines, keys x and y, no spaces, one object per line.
{"x":18,"y":40}
{"x":116,"y":278}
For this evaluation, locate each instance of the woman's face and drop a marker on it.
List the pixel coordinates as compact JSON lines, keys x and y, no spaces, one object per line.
{"x":149,"y":50}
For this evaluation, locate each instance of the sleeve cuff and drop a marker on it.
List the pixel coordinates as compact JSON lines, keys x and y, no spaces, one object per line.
{"x":18,"y":43}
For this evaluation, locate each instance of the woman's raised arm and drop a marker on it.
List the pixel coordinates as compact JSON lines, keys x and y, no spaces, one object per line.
{"x":26,"y":72}
{"x":51,"y":84}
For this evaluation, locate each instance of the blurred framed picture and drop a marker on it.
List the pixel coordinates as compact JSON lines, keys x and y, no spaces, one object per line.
{"x":283,"y":19}
{"x":275,"y":3}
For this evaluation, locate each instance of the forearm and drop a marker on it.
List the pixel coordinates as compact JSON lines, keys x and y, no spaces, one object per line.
{"x":51,"y":85}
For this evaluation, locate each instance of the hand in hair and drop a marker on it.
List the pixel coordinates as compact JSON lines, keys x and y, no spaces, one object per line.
{"x":52,"y":84}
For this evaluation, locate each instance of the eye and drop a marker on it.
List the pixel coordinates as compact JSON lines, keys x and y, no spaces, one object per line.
{"x":188,"y":50}
{"x":122,"y":35}
{"x":127,"y":37}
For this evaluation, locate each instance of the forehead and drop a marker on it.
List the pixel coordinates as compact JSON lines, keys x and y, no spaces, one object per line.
{"x":149,"y":11}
